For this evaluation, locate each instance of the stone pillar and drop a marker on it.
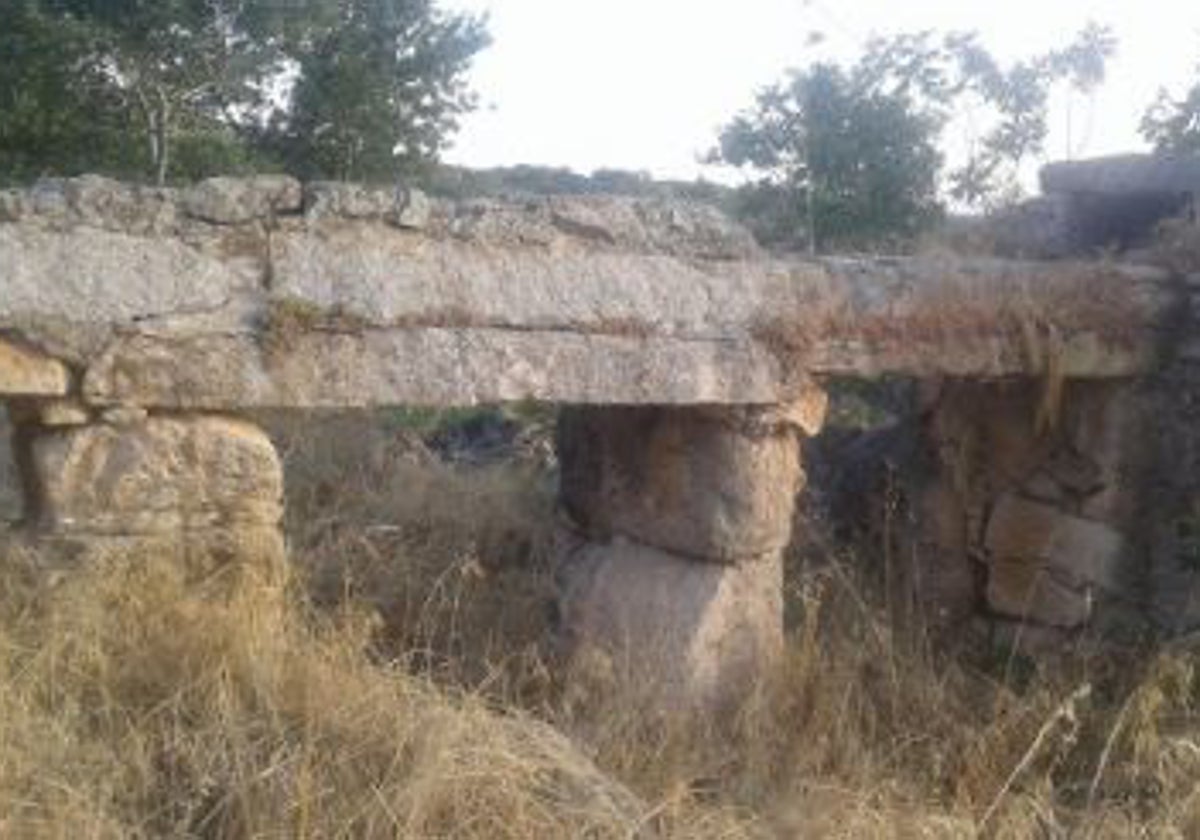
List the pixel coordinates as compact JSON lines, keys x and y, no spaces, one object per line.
{"x":203,"y":490}
{"x":670,"y":562}
{"x":1040,"y":498}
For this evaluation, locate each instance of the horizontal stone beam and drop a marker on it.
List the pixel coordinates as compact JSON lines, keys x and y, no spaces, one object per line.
{"x":1117,"y":175}
{"x":255,"y":293}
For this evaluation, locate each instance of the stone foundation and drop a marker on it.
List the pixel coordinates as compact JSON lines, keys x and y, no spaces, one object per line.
{"x":670,"y":566}
{"x":206,"y":490}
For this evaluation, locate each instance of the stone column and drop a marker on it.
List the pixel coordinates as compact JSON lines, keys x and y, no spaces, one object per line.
{"x":670,"y":561}
{"x":201,"y":490}
{"x":1039,"y":497}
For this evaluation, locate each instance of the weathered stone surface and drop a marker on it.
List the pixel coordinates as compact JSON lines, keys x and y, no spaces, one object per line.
{"x":596,"y":282}
{"x":71,"y":290}
{"x":1107,"y":423}
{"x":386,"y":277}
{"x":1029,"y":591}
{"x":11,"y":501}
{"x":98,"y":202}
{"x":13,"y":205}
{"x":1042,"y":483}
{"x":704,"y":484}
{"x":1124,"y":175}
{"x":236,"y":200}
{"x":678,"y":633}
{"x":324,"y":199}
{"x":414,"y":209}
{"x":806,"y":412}
{"x":988,"y":439}
{"x":164,"y":475}
{"x":1045,"y":564}
{"x":65,"y":412}
{"x":403,"y":206}
{"x":1079,"y":551}
{"x":1119,"y":202}
{"x":328,"y":368}
{"x":1044,"y":227}
{"x":124,"y":415}
{"x":26,"y":373}
{"x":945,"y":573}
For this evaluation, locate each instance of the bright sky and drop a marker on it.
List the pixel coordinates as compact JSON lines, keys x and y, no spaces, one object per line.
{"x":645,"y":84}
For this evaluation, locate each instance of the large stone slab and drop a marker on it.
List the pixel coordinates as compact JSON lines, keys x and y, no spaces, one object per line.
{"x":433,"y":367}
{"x":230,"y":295}
{"x":1081,"y":552}
{"x":1124,"y":175}
{"x":69,"y":291}
{"x":161,"y":475}
{"x":670,"y":631}
{"x":1047,"y":565}
{"x":710,"y":485}
{"x":235,"y":200}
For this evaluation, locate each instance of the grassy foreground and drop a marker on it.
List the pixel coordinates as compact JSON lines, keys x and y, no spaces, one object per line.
{"x":396,"y":689}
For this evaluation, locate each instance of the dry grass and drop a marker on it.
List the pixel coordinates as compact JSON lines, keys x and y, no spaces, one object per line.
{"x":414,"y":701}
{"x":133,"y":706}
{"x":1176,"y":246}
{"x":288,"y":320}
{"x":949,"y":302}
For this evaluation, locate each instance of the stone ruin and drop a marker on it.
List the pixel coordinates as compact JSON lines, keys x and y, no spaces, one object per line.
{"x":137,"y":324}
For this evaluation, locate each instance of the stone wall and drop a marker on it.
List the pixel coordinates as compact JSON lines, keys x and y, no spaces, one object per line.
{"x":135,"y":322}
{"x":1039,"y":492}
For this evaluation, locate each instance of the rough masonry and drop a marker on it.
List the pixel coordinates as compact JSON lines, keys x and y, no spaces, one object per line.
{"x":136,"y":323}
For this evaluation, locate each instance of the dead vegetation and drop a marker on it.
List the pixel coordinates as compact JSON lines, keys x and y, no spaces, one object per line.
{"x":1176,"y":246}
{"x":413,"y":700}
{"x":287,"y":320}
{"x":954,"y":304}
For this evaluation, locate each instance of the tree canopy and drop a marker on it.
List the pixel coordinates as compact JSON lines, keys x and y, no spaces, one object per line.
{"x":1171,"y":123}
{"x":849,"y":155}
{"x":379,"y":90}
{"x":182,"y":88}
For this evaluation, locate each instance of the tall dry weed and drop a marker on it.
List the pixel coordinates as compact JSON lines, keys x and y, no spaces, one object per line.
{"x":411,"y":699}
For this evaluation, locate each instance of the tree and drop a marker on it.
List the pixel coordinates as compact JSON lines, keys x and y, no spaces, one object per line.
{"x":185,"y":88}
{"x":847,"y":158}
{"x":179,"y":67}
{"x":850,"y":155}
{"x":1173,"y":125}
{"x":1017,"y":101}
{"x":54,"y":114}
{"x":381,"y":85}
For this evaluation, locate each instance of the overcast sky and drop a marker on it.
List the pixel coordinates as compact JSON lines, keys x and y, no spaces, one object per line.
{"x":645,"y":84}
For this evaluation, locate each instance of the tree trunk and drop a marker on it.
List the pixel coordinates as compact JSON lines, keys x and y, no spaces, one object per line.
{"x":163,"y":138}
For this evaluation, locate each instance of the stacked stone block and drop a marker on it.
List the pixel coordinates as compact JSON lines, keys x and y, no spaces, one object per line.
{"x":199,"y":489}
{"x":670,"y":562}
{"x":1042,"y":499}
